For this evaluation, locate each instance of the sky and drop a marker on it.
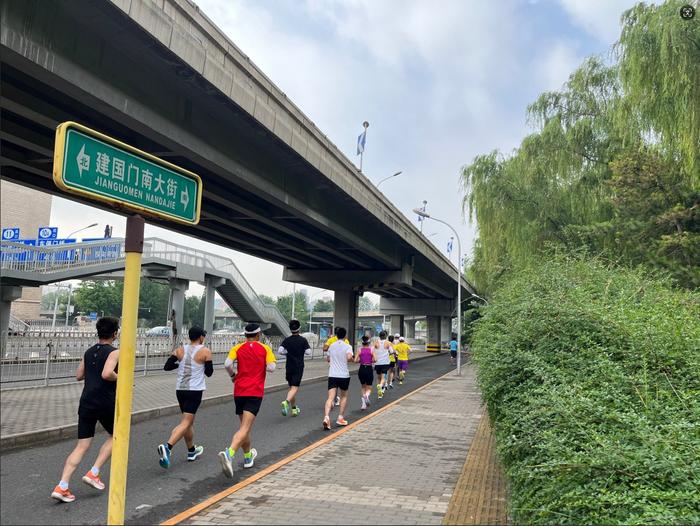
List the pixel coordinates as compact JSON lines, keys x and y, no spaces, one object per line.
{"x":439,"y":83}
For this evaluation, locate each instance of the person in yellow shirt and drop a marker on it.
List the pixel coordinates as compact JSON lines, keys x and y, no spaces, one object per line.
{"x":330,"y":341}
{"x":402,"y":350}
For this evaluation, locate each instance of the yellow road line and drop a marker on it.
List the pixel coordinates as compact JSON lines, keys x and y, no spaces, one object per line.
{"x":274,"y":467}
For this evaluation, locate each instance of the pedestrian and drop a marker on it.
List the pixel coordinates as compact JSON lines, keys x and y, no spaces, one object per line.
{"x":393,"y":339}
{"x":402,"y":351}
{"x":330,"y":341}
{"x":339,"y":354}
{"x":453,"y":349}
{"x":365,"y":357}
{"x":99,"y":370}
{"x":295,"y":348}
{"x":247,"y":363}
{"x":193,"y":362}
{"x":381,"y":366}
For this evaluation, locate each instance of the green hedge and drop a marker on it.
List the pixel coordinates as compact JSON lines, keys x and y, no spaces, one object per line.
{"x":591,"y":375}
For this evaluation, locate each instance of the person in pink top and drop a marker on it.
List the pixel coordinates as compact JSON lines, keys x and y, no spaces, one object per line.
{"x":365,"y":357}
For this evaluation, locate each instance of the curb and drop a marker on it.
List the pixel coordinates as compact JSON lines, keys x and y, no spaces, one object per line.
{"x":31,"y":438}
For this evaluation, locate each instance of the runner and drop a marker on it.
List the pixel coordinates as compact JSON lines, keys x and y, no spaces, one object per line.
{"x":402,"y":351}
{"x":330,"y":341}
{"x":381,"y":350}
{"x":393,"y":339}
{"x":193,"y":362}
{"x":247,"y":363}
{"x":294,"y":347}
{"x":99,"y":370}
{"x":339,"y":354}
{"x":365,"y":357}
{"x":453,"y":350}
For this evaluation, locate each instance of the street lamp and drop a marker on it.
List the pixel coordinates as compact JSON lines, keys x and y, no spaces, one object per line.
{"x":80,"y":230}
{"x":425,"y":216}
{"x":387,"y":178}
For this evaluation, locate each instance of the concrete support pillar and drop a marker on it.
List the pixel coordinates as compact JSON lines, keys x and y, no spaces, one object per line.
{"x":7,"y":296}
{"x":445,"y":330}
{"x":432,"y":343}
{"x":177,"y":304}
{"x":409,"y":329}
{"x":210,"y":286}
{"x":345,"y":314}
{"x":396,"y":324}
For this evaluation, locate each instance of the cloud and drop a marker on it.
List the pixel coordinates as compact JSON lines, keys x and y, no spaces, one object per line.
{"x":600,"y":18}
{"x":557,"y":64}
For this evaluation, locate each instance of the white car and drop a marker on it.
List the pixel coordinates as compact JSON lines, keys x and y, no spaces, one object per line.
{"x":159,"y":331}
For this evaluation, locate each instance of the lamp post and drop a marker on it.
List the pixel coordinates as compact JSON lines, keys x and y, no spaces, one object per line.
{"x":425,"y":216}
{"x":421,"y":213}
{"x":390,"y":177}
{"x":80,"y":230}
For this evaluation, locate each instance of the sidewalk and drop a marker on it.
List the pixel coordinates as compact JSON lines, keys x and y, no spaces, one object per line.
{"x":37,"y":414}
{"x":419,"y":445}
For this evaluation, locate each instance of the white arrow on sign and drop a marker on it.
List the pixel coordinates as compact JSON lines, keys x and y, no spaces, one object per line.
{"x":185,"y":197}
{"x":83,"y":161}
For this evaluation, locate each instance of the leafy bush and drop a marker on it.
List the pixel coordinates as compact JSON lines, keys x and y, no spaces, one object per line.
{"x":591,"y":375}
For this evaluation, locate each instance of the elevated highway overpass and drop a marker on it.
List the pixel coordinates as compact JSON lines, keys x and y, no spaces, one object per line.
{"x":159,"y":75}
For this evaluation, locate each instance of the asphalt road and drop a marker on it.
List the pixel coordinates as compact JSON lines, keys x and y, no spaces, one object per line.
{"x":27,"y":476}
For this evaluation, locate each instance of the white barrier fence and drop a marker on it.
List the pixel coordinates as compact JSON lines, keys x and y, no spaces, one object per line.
{"x":52,"y":357}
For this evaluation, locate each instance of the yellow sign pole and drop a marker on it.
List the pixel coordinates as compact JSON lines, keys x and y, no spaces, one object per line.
{"x":133,"y":245}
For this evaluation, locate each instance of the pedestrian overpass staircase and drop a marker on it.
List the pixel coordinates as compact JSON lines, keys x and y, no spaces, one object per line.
{"x":25,"y":265}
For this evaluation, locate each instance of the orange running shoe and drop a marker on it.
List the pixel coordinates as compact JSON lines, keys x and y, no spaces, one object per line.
{"x":341,"y":421}
{"x":93,"y":480}
{"x":63,"y":495}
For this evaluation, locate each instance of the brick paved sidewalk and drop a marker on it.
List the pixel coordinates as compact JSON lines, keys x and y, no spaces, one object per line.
{"x":418,"y":446}
{"x":35,"y":409}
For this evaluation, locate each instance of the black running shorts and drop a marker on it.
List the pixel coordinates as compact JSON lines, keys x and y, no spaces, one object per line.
{"x":189,"y":400}
{"x":341,"y":383}
{"x":382,"y":369}
{"x":294,"y":377}
{"x":87,"y":422}
{"x":247,"y":403}
{"x":365,"y":374}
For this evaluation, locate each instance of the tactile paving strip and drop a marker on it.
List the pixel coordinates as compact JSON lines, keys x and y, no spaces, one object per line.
{"x":480,"y":496}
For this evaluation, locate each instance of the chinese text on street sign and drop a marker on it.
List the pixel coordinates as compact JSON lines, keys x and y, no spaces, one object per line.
{"x":91,"y":164}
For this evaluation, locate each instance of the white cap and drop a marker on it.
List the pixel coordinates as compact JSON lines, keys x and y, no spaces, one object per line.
{"x":397,"y":335}
{"x":401,"y":338}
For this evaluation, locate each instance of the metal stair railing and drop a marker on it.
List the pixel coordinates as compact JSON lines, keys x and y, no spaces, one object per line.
{"x":17,"y":325}
{"x":79,"y":256}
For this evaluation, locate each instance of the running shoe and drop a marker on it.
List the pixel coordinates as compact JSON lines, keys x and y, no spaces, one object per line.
{"x":164,"y":453}
{"x":337,"y":401}
{"x":192,"y":455}
{"x":93,"y":480}
{"x":285,"y":408}
{"x":226,"y":463}
{"x":326,"y":423}
{"x":364,"y":404}
{"x":341,"y":421}
{"x":391,"y":385}
{"x":250,"y":462}
{"x":400,"y":382}
{"x":380,"y":394}
{"x":296,"y":411}
{"x":64,"y":495}
{"x":367,"y":400}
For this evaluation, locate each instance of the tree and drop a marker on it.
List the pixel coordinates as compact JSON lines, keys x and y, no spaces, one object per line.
{"x":301,"y":310}
{"x":103,"y":297}
{"x":192,"y":311}
{"x":324,"y":305}
{"x":366,"y":304}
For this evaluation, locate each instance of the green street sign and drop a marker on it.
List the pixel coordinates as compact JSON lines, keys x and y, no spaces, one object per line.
{"x":99,"y":167}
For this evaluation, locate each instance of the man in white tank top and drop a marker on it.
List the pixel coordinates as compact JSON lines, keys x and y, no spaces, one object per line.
{"x":193,"y":363}
{"x":381,"y":366}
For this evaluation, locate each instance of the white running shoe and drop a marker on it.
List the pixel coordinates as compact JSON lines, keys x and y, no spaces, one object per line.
{"x":226,"y":463}
{"x":337,"y":401}
{"x":364,"y":404}
{"x":250,"y":462}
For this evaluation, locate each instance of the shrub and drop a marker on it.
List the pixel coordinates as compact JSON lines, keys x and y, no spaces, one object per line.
{"x":591,"y":375}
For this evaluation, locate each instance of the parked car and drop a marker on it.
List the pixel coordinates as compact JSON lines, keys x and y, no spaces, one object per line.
{"x":159,"y":331}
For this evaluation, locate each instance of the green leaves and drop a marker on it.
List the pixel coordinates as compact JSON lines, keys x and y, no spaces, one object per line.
{"x":592,"y":377}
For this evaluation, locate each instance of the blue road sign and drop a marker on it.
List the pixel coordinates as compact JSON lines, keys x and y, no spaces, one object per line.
{"x":47,"y":232}
{"x":100,"y":252}
{"x":93,"y":316}
{"x":10,"y":234}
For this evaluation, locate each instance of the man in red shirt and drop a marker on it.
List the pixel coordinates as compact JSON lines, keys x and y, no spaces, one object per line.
{"x":247,"y":364}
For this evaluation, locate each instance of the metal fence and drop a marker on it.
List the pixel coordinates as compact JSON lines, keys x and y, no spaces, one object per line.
{"x":49,"y":358}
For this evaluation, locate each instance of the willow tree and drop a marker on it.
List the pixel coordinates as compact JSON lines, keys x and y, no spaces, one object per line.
{"x":659,"y":69}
